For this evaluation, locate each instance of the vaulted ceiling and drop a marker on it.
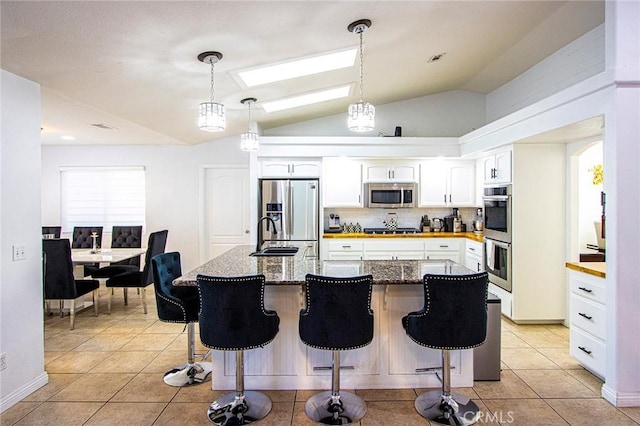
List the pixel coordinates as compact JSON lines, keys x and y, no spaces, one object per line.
{"x":133,"y":67}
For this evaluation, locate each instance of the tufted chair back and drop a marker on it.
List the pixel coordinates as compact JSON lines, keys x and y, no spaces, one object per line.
{"x":338,"y":313}
{"x":232,"y":313}
{"x":175,"y":304}
{"x":454,"y":315}
{"x":127,"y":237}
{"x":52,"y":230}
{"x":82,"y":236}
{"x":57,"y":271}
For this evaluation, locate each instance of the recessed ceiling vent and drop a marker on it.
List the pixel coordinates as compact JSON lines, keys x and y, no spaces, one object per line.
{"x":102,"y":126}
{"x":437,"y":57}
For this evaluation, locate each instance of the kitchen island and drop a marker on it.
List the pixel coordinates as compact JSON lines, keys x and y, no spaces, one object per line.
{"x":389,"y":361}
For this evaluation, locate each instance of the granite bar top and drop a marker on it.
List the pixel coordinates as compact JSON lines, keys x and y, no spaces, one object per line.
{"x":470,"y":235}
{"x":291,"y":270}
{"x":598,"y":269}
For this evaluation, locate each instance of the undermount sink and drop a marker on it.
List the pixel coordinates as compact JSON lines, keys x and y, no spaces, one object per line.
{"x":276,"y":251}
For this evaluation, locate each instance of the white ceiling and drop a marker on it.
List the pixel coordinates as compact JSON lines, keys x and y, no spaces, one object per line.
{"x":133,"y":65}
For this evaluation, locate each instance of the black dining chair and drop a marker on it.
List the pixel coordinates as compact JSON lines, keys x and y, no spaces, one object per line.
{"x":59,"y":282}
{"x":139,"y":279}
{"x":51,"y":231}
{"x":82,"y":238}
{"x":122,"y":237}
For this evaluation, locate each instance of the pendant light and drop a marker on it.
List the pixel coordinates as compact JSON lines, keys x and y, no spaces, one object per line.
{"x":212,"y":117}
{"x":361,"y":115}
{"x":249,"y":139}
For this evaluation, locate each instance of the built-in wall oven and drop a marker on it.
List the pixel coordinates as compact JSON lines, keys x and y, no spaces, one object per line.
{"x":496,"y":204}
{"x":497,"y":263}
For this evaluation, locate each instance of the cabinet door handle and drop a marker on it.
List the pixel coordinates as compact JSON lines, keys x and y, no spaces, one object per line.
{"x":584,"y":315}
{"x":478,"y":266}
{"x":445,"y":198}
{"x":584,"y":350}
{"x":587,"y":290}
{"x":449,"y":198}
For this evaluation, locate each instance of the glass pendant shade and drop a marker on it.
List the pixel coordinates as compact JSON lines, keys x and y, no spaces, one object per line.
{"x":213,"y":117}
{"x":361,"y":117}
{"x":249,"y":141}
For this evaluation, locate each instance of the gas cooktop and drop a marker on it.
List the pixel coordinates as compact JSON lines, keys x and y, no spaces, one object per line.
{"x":388,"y":231}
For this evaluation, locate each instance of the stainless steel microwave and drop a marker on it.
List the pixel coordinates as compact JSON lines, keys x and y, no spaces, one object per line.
{"x":390,"y":195}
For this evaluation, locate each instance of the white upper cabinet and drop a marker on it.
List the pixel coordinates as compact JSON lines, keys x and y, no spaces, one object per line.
{"x":342,"y":182}
{"x":497,"y":167}
{"x":447,"y":183}
{"x":290,"y":168}
{"x":390,"y":171}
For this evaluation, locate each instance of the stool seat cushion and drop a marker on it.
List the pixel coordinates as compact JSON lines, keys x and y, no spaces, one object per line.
{"x":232,"y":313}
{"x":454,"y":315}
{"x":338,"y":313}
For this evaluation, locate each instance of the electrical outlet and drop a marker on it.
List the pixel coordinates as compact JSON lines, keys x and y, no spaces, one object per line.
{"x":3,"y":361}
{"x":19,"y":253}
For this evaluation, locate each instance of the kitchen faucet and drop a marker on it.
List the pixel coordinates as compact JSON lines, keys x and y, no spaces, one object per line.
{"x":259,"y":233}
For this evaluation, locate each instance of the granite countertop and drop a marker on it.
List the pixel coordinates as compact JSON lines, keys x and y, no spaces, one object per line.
{"x":470,"y":235}
{"x":291,"y":270}
{"x":598,"y":269}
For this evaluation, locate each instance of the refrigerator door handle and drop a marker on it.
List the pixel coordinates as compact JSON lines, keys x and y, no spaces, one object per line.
{"x":289,"y":211}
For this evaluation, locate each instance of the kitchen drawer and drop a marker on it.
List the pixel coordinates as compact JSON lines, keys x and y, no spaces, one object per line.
{"x":593,"y":288}
{"x":345,"y":246}
{"x":447,"y":245}
{"x":589,"y":316}
{"x":474,"y":248}
{"x":590,"y":351}
{"x":391,"y":245}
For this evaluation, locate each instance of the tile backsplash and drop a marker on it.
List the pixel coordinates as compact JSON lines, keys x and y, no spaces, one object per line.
{"x":407,"y":218}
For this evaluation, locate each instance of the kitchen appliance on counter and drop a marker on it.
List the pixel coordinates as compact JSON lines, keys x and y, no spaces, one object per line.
{"x":497,"y":212}
{"x":478,"y":222}
{"x":425,"y":224}
{"x":389,"y":231}
{"x":334,"y":223}
{"x":293,"y":205}
{"x":390,"y":195}
{"x":437,"y":224}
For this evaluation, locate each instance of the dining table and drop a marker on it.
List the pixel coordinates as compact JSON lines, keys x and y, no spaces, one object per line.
{"x":83,"y":256}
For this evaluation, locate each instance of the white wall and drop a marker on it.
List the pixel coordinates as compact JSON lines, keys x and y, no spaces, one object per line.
{"x":21,"y":330}
{"x":575,"y":62}
{"x":449,"y":114}
{"x":172,"y":183}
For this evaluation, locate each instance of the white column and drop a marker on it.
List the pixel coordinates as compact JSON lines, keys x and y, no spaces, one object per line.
{"x":622,"y":185}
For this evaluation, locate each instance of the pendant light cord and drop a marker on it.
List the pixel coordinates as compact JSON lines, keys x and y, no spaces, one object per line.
{"x":249,"y":127}
{"x":361,"y":69}
{"x":212,"y":81}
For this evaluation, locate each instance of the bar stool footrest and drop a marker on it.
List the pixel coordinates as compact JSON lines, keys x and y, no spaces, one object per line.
{"x":188,"y":374}
{"x":232,"y":409}
{"x":321,"y":408}
{"x":457,"y":409}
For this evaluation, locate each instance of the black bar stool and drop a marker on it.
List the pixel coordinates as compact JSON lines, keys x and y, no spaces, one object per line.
{"x":337,"y":317}
{"x":233,"y":318}
{"x":178,"y":305}
{"x":454,"y":317}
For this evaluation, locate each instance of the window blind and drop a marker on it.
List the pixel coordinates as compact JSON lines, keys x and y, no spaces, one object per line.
{"x":102,"y":196}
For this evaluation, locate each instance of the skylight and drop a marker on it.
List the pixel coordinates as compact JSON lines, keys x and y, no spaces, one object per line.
{"x":307,"y":99}
{"x":299,"y":68}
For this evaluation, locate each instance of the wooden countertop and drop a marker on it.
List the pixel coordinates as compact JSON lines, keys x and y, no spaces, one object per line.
{"x":470,"y":235}
{"x":598,"y":269}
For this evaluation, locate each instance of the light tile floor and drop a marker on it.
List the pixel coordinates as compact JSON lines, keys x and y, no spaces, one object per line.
{"x":108,"y":371}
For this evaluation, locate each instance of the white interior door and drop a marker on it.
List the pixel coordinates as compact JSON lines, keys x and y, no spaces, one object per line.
{"x":226,"y":205}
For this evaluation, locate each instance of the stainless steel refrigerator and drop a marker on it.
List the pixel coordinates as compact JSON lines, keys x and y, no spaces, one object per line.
{"x":293,"y":204}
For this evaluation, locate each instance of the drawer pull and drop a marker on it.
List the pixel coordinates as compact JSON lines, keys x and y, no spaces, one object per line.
{"x":444,"y":246}
{"x":472,"y":249}
{"x":584,"y":350}
{"x":584,"y":315}
{"x":346,"y":247}
{"x":587,"y":290}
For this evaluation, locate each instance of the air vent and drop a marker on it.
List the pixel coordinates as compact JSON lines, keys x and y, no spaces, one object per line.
{"x":437,"y":57}
{"x":102,"y":126}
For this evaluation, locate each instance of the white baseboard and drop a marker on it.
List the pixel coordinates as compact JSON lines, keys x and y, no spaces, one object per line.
{"x":620,"y":399}
{"x":22,"y":392}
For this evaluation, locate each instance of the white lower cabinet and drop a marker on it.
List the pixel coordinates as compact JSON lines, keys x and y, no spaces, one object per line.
{"x":394,"y":249}
{"x":444,"y":248}
{"x":587,"y":307}
{"x":344,"y":249}
{"x":474,"y":255}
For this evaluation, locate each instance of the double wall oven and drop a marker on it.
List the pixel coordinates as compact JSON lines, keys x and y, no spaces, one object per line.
{"x":497,"y":235}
